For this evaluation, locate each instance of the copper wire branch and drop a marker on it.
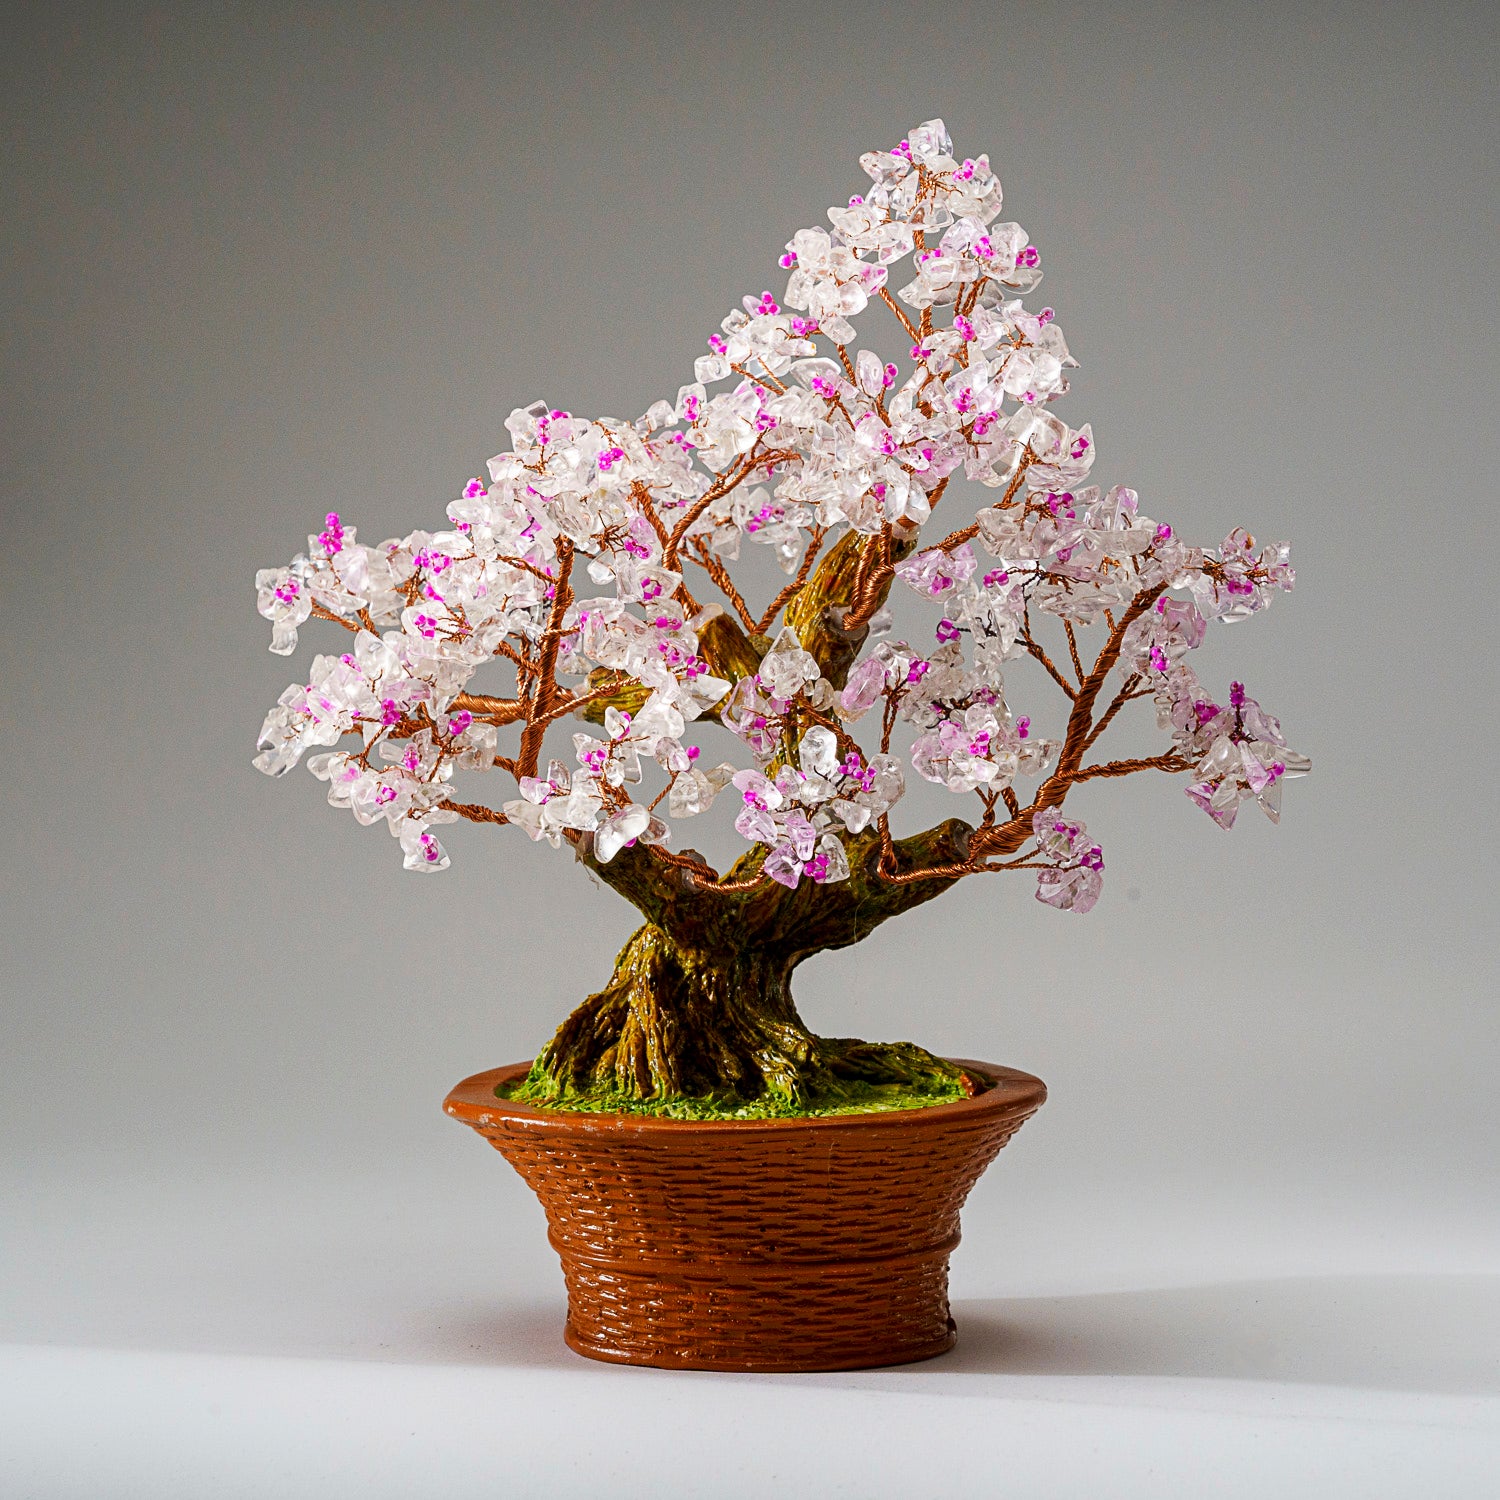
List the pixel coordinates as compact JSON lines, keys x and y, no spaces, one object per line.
{"x":989,"y":799}
{"x":320,"y":613}
{"x":790,"y":592}
{"x":702,"y":874}
{"x":1007,"y":838}
{"x":476,"y":813}
{"x":1073,"y":649}
{"x":544,"y":689}
{"x":1034,"y":647}
{"x":526,"y":567}
{"x":950,"y":871}
{"x":709,"y":880}
{"x":721,"y":486}
{"x":570,"y":703}
{"x":497,"y":711}
{"x":906,"y":322}
{"x":769,"y":375}
{"x":874,"y":561}
{"x":845,"y":741}
{"x":698,"y":551}
{"x":1080,"y":721}
{"x":991,"y":839}
{"x":642,"y":497}
{"x":866,"y":600}
{"x":1124,"y":696}
{"x":776,"y":390}
{"x":525,"y":666}
{"x":1168,"y":761}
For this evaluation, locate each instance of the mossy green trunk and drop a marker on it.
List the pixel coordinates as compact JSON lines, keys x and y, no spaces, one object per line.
{"x":700,"y":1003}
{"x":678,"y":1022}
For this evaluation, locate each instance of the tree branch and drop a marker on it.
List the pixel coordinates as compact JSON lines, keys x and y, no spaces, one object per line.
{"x":1035,"y":649}
{"x":1126,"y":693}
{"x":571,"y":703}
{"x":776,"y":388}
{"x":1080,"y":721}
{"x":716,"y":491}
{"x":497,"y":711}
{"x":720,"y":575}
{"x":544,"y":689}
{"x":476,"y":812}
{"x":906,"y":322}
{"x":319,"y":612}
{"x":1167,"y":761}
{"x":1009,"y":837}
{"x":763,"y":625}
{"x":1073,"y":649}
{"x":870,"y":598}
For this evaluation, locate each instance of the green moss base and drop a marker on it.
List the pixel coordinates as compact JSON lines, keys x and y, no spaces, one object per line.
{"x":854,"y":1097}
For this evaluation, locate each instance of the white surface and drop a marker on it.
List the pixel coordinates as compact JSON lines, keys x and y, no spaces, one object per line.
{"x":258,"y":1338}
{"x":100,"y":1423}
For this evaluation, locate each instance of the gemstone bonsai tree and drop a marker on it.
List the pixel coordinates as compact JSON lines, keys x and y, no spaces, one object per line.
{"x":593,"y":575}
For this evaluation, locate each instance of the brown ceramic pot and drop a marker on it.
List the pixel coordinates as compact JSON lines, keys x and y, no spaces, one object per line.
{"x":817,"y":1244}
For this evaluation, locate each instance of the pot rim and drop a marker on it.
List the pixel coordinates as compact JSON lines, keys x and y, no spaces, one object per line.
{"x":474,"y":1102}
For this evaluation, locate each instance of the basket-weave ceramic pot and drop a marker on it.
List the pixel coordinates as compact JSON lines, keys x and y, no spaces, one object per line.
{"x":815,"y":1244}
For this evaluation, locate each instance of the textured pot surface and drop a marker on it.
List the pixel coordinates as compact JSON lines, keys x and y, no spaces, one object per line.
{"x":817,"y":1244}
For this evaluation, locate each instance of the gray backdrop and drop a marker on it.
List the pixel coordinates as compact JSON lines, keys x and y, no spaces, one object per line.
{"x":266,"y":261}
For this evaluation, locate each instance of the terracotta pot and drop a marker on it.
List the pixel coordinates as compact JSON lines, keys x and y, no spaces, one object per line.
{"x":815,"y":1244}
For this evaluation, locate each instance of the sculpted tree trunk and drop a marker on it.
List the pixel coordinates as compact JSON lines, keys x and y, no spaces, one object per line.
{"x":685,"y":1021}
{"x":700,"y":1001}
